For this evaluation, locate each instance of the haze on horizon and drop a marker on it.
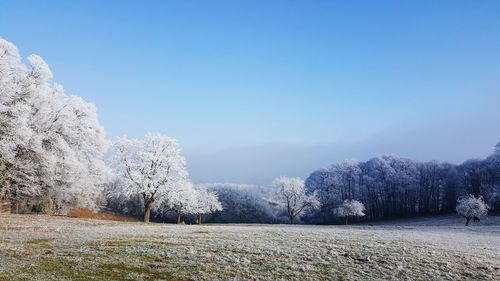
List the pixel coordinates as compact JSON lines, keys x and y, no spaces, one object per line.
{"x":255,"y":90}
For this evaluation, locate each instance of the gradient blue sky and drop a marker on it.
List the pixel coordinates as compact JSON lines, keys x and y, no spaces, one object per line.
{"x":258,"y":89}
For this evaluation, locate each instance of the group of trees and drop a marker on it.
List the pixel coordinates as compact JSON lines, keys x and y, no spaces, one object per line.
{"x":52,"y":148}
{"x":380,"y":188}
{"x":391,"y":187}
{"x":286,"y":201}
{"x":154,"y":169}
{"x":292,"y":195}
{"x":51,"y":144}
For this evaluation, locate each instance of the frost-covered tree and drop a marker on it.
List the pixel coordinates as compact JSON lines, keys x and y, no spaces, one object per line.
{"x":350,"y":208}
{"x":152,"y":168}
{"x":190,"y":200}
{"x":181,"y":200}
{"x":471,"y":207}
{"x":15,"y":132}
{"x":292,"y":195}
{"x":52,"y":143}
{"x":206,"y":202}
{"x":14,"y":109}
{"x":75,"y":141}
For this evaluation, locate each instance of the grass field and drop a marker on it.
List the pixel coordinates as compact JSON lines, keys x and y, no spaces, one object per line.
{"x":59,"y":248}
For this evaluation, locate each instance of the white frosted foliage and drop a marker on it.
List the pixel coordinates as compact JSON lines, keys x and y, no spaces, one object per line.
{"x":51,"y":143}
{"x":350,"y":208}
{"x":152,"y":167}
{"x":291,"y":194}
{"x":471,"y":207}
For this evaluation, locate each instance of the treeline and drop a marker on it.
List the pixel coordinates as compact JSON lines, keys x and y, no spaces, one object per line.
{"x":388,"y":186}
{"x":394,"y":187}
{"x":241,"y":203}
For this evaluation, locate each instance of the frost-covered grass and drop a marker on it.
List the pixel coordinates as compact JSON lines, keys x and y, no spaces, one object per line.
{"x":439,"y":220}
{"x":58,"y":248}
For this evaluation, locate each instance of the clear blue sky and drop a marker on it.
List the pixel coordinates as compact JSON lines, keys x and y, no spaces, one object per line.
{"x":258,"y":89}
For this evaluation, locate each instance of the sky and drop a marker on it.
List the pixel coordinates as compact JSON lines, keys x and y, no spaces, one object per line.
{"x":253,"y":90}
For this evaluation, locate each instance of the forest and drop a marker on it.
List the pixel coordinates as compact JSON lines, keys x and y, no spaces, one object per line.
{"x":55,"y":157}
{"x":394,"y":187}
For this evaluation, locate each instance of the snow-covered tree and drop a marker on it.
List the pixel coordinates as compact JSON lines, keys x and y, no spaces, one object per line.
{"x":52,"y":143}
{"x":471,"y":207}
{"x":14,"y":116}
{"x":206,"y":202}
{"x":350,"y":208}
{"x":181,"y":200}
{"x":14,"y":110}
{"x":152,"y":167}
{"x":75,"y":141}
{"x":187,"y":199}
{"x":292,"y":195}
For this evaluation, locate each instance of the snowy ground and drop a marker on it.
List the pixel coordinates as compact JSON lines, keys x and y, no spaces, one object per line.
{"x":58,"y":248}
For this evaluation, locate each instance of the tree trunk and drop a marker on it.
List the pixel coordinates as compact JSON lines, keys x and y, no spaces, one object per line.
{"x":346,"y":220}
{"x":179,"y":219}
{"x":467,"y":220}
{"x":292,"y":220}
{"x":198,"y":219}
{"x":147,"y":212}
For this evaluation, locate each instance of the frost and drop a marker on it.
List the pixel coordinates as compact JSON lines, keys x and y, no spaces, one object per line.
{"x":265,"y":252}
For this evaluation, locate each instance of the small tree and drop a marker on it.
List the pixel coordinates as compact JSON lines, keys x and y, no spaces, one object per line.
{"x":180,"y":200}
{"x":471,"y":207}
{"x":206,"y":202}
{"x":291,"y":193}
{"x":350,"y":208}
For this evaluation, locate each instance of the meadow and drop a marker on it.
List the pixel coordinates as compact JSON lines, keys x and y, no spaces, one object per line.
{"x":40,"y":247}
